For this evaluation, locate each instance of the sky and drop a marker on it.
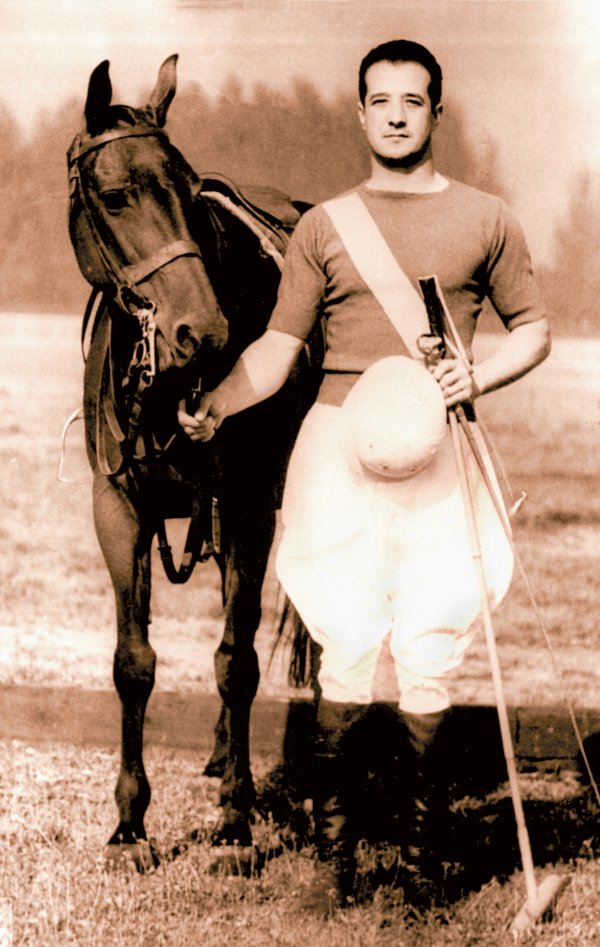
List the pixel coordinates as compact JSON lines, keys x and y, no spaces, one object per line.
{"x":525,"y":72}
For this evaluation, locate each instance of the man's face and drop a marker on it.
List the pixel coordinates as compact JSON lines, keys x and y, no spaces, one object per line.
{"x":396,"y":117}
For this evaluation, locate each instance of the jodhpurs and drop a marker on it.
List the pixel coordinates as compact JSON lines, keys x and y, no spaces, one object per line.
{"x":362,"y":558}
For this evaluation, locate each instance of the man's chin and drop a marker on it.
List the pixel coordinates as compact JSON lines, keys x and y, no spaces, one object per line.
{"x":399,"y":162}
{"x":404,"y":162}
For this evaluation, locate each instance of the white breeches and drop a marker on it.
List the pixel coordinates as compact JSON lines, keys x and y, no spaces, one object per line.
{"x":362,"y":558}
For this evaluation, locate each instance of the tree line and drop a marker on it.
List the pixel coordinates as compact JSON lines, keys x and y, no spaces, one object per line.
{"x":296,"y":141}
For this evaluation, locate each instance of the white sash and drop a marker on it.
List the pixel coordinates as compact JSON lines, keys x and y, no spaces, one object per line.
{"x":377,"y":266}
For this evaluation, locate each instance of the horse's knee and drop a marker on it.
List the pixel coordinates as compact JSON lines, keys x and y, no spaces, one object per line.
{"x":134,"y":668}
{"x":237,"y":673}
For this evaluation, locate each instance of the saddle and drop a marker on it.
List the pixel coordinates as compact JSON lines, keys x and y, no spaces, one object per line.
{"x":267,"y":205}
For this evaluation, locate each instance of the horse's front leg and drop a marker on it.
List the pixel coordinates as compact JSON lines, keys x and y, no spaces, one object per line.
{"x":249,"y":536}
{"x":126,"y":549}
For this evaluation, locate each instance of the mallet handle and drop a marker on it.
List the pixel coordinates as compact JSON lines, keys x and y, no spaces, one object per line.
{"x":435,"y":310}
{"x":505,"y":733}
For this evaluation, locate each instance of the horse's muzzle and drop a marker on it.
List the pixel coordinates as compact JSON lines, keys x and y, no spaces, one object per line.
{"x":186,"y":346}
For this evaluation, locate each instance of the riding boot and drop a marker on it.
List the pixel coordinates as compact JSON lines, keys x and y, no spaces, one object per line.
{"x":421,"y":851}
{"x":334,"y":835}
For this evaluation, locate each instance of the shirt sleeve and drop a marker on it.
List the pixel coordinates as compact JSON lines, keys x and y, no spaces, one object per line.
{"x":512,"y":287}
{"x":303,"y":280}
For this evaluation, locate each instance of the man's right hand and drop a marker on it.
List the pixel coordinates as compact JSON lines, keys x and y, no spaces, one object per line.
{"x":260,"y":371}
{"x":209,"y":416}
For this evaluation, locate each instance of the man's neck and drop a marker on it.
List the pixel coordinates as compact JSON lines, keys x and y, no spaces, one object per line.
{"x":423,"y":179}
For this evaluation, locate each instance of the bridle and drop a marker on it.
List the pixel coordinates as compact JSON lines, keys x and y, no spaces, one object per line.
{"x":125,"y":279}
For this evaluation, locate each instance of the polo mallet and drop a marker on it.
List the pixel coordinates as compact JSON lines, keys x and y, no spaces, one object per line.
{"x":540,"y":898}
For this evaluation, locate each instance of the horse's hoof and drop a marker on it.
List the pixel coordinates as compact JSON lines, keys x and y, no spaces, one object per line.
{"x":233,"y":830}
{"x":215,"y":768}
{"x":141,"y":856}
{"x":243,"y":861}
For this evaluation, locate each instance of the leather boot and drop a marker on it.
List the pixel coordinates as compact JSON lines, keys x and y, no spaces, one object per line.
{"x":421,"y":852}
{"x":335,"y":840}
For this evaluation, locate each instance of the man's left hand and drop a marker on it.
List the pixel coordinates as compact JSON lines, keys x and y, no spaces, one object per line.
{"x":456,"y":381}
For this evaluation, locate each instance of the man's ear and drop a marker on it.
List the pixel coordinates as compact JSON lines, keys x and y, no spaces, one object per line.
{"x":437,"y":114}
{"x":361,"y":113}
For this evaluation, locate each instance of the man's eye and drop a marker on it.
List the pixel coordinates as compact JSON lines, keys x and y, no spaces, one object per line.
{"x":115,"y":200}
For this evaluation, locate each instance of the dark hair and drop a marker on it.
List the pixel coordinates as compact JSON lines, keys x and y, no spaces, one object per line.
{"x":403,"y":50}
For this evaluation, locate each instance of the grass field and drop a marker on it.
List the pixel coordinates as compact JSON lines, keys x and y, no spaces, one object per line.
{"x":57,"y":628}
{"x":57,"y":814}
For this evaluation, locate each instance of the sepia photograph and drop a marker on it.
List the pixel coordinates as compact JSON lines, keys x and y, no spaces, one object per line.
{"x":299,"y":439}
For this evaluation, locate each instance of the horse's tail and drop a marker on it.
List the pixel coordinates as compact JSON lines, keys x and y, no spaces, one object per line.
{"x":304,"y":652}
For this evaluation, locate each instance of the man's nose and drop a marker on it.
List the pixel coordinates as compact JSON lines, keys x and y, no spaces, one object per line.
{"x":397,"y":114}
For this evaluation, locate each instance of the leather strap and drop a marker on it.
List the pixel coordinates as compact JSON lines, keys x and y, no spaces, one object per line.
{"x":85,"y":143}
{"x":135,"y":273}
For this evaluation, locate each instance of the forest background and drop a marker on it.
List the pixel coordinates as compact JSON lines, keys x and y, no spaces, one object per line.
{"x":297,"y":141}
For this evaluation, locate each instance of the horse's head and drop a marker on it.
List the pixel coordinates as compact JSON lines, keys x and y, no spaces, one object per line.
{"x":131,"y":199}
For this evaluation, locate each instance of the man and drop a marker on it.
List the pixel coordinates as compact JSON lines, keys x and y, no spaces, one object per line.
{"x":359,"y":549}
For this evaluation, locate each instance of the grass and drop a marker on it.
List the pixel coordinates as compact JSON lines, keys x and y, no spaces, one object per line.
{"x":54,"y":824}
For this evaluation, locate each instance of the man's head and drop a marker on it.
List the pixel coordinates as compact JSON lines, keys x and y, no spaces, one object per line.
{"x":403,"y":50}
{"x":400,"y":85}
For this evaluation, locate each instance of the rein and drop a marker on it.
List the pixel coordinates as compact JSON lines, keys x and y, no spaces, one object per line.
{"x":203,"y":538}
{"x":140,"y":376}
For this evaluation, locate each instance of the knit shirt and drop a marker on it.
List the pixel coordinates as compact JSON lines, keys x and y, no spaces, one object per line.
{"x":469,"y":239}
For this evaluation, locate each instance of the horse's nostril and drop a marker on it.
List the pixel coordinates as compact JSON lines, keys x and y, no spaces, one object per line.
{"x":185,"y":338}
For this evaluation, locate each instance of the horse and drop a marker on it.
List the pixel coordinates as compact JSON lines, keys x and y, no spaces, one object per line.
{"x":184,"y":271}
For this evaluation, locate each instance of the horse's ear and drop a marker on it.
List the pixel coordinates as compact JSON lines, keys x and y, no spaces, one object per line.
{"x":164,"y":90}
{"x":98,"y":99}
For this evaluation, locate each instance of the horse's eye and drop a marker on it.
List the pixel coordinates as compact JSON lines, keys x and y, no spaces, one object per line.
{"x":114,"y":200}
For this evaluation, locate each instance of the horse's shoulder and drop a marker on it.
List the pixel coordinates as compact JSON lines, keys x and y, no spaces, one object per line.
{"x":266,"y":204}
